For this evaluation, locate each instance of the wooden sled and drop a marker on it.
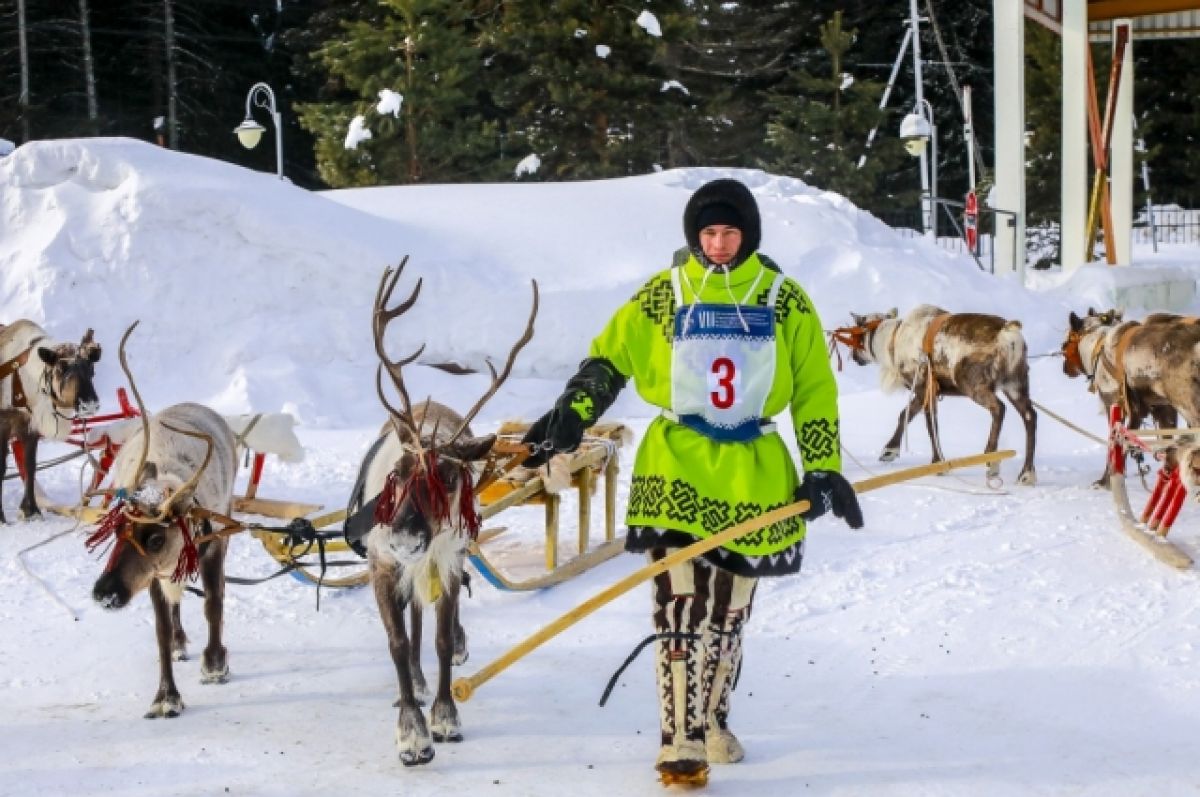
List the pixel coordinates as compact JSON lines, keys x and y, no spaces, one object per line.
{"x":595,"y":456}
{"x":1151,"y":528}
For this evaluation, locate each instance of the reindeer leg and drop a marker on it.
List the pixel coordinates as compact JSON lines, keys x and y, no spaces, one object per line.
{"x":443,"y":717}
{"x":891,"y":449}
{"x":214,"y":663}
{"x":984,"y":397}
{"x":29,"y":508}
{"x":461,"y":654}
{"x":412,"y":734}
{"x":4,"y":435}
{"x":167,"y":702}
{"x":1019,"y":396}
{"x":420,"y":687}
{"x":178,"y":636}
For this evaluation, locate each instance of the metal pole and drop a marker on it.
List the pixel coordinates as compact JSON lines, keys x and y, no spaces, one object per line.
{"x":926,"y":198}
{"x":887,"y":92}
{"x":969,"y":132}
{"x":1149,"y":206}
{"x":278,"y":140}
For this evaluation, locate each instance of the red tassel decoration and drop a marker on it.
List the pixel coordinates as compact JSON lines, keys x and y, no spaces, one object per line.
{"x":188,"y":566}
{"x":109,"y":525}
{"x":466,"y":504}
{"x":385,"y":505}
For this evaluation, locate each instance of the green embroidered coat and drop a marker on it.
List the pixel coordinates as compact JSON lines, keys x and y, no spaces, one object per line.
{"x":684,"y":481}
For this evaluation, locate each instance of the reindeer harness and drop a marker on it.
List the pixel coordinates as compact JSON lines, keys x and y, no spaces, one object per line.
{"x":13,"y":368}
{"x":931,"y":333}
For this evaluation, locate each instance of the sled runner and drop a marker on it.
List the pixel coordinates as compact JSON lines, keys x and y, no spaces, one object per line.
{"x":1150,"y":529}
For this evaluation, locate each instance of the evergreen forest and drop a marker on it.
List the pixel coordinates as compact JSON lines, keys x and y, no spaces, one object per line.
{"x":468,"y":90}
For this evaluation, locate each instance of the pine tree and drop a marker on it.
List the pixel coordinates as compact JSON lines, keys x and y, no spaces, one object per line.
{"x":586,"y":88}
{"x":425,"y":51}
{"x":819,"y":124}
{"x":731,"y":56}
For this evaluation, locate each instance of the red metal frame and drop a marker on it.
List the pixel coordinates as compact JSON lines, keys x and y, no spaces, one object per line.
{"x":78,"y":438}
{"x":108,"y":448}
{"x":1167,"y":497}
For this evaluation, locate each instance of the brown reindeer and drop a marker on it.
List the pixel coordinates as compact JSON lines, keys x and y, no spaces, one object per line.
{"x":423,"y":474}
{"x":171,"y":474}
{"x":44,"y":386}
{"x":1143,"y":366}
{"x":933,"y":353}
{"x":1084,"y":354}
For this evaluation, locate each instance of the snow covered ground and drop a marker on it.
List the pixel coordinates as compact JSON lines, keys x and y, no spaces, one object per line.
{"x":967,"y":641}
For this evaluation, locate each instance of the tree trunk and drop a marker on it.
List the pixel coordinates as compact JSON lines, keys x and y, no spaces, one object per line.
{"x":23,"y":98}
{"x":89,"y":68}
{"x":410,"y":124}
{"x":172,"y":88}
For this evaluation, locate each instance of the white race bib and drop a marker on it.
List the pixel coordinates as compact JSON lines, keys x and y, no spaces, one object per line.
{"x":723,"y":365}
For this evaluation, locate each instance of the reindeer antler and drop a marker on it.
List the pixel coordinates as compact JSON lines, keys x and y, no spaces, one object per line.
{"x":381,"y":316}
{"x":138,"y":397}
{"x":499,"y":379}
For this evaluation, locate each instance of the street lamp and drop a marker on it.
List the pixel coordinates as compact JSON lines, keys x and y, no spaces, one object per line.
{"x":916,"y":130}
{"x":249,"y":132}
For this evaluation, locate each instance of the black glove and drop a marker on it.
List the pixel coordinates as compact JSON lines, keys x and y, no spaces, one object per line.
{"x":560,"y":429}
{"x":588,"y":394}
{"x":828,"y":491}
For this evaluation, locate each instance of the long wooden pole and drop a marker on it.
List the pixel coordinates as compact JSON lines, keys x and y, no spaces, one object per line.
{"x":465,"y":687}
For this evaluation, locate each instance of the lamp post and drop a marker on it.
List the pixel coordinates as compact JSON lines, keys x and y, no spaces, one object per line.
{"x":916,"y":131}
{"x":249,"y":132}
{"x":918,"y":128}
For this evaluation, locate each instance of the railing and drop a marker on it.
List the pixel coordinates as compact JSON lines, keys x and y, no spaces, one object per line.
{"x":1169,"y":227}
{"x":908,"y":224}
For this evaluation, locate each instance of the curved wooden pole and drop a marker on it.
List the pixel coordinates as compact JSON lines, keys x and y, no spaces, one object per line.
{"x":465,"y":687}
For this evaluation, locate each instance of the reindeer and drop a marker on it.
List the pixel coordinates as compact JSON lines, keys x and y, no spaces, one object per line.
{"x":1083,"y":355}
{"x":41,"y":395}
{"x":423,"y":473}
{"x":173,"y":475}
{"x":968,"y":354}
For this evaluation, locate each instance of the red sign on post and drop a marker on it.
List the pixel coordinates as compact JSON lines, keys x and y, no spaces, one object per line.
{"x":971,"y":217}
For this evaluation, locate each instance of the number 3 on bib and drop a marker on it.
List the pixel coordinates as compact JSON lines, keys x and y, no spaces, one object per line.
{"x":723,"y":397}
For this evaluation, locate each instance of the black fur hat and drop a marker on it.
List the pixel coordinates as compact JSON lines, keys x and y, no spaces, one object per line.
{"x":733,"y":194}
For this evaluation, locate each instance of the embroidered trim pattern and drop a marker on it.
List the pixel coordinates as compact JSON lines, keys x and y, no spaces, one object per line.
{"x":818,"y":439}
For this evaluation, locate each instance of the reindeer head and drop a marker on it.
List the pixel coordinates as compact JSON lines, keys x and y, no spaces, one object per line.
{"x":1079,"y":328}
{"x":430,"y":489}
{"x":149,"y":523}
{"x":68,"y":376}
{"x":864,"y":331}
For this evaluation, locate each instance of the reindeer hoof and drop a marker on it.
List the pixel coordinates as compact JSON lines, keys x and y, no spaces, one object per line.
{"x":169,"y":707}
{"x":889,"y":454}
{"x":29,"y":516}
{"x":414,"y":749}
{"x":215,"y":675}
{"x":443,"y":722}
{"x":416,"y":759}
{"x":179,"y":654}
{"x":1027,"y":478}
{"x":460,"y":656}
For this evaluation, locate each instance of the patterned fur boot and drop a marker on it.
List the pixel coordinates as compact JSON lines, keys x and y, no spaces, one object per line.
{"x":682,"y":758}
{"x":722,"y":661}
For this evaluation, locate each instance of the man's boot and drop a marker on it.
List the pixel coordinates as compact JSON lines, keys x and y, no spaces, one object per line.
{"x":722,"y":663}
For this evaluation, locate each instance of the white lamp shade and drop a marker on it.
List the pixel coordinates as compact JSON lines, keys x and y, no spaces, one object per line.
{"x":915,"y":130}
{"x":249,"y":133}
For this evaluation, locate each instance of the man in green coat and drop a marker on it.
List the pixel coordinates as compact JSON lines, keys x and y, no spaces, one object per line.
{"x":722,"y":342}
